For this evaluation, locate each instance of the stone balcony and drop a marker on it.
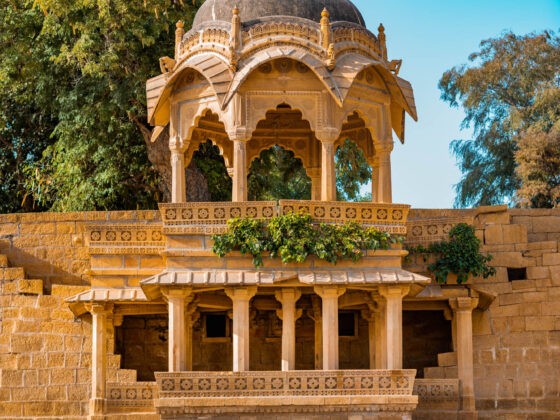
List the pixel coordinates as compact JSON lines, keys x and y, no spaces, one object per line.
{"x":209,"y":218}
{"x":360,"y":393}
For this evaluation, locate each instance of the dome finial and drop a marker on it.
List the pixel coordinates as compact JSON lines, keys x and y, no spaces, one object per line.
{"x":179,"y":32}
{"x":325,"y":29}
{"x":325,"y":13}
{"x":382,"y":38}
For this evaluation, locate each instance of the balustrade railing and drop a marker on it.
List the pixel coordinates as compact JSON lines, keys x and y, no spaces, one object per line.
{"x":212,"y":217}
{"x":291,"y":383}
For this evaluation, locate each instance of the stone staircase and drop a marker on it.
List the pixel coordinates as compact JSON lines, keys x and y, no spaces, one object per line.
{"x":438,"y":392}
{"x":446,"y":368}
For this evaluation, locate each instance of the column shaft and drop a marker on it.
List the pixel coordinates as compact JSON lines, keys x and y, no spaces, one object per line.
{"x":393,"y":323}
{"x":98,"y":359}
{"x":375,"y":181}
{"x":240,"y":298}
{"x":178,"y":177}
{"x":239,"y":191}
{"x":328,"y":174}
{"x":384,"y":184}
{"x":178,"y":342}
{"x":329,"y":296}
{"x":462,"y":310}
{"x":380,"y":338}
{"x":288,"y":298}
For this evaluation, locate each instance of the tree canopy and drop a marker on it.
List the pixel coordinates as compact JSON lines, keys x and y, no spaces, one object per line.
{"x":511,"y":96}
{"x":73,"y":129}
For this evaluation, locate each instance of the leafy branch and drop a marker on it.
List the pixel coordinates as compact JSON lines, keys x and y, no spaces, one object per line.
{"x":460,"y":255}
{"x":293,"y":237}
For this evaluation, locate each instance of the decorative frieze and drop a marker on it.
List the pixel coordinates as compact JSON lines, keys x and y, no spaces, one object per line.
{"x":422,"y":232}
{"x":137,"y":395}
{"x":131,"y":239}
{"x":288,"y":383}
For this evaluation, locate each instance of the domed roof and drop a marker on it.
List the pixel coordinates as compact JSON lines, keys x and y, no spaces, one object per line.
{"x":221,"y":10}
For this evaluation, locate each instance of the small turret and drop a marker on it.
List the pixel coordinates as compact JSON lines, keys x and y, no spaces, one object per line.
{"x":382,"y":41}
{"x":326,"y":33}
{"x":179,"y":32}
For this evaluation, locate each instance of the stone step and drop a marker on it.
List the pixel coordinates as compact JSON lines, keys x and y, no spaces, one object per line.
{"x":440,"y":373}
{"x":434,"y":373}
{"x":30,"y":287}
{"x":114,"y":361}
{"x":3,"y":261}
{"x":121,"y":375}
{"x":447,"y":359}
{"x":132,"y":416}
{"x":11,"y":273}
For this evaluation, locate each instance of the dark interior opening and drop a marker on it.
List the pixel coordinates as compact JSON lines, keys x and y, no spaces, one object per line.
{"x":517,"y":274}
{"x":216,"y":325}
{"x":142,"y":343}
{"x":425,"y":335}
{"x":346,"y":324}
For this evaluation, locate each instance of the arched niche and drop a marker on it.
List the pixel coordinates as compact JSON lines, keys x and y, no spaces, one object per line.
{"x":278,"y":173}
{"x":209,"y":127}
{"x":285,"y":126}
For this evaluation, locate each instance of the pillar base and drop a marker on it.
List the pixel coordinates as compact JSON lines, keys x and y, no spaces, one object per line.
{"x":97,"y":409}
{"x":467,"y":415}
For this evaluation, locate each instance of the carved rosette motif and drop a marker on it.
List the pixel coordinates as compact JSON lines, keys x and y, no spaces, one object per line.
{"x":131,"y":395}
{"x":291,"y":383}
{"x":113,"y":238}
{"x":423,"y":232}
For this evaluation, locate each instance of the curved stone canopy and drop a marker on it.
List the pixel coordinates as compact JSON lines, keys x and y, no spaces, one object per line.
{"x":250,"y":10}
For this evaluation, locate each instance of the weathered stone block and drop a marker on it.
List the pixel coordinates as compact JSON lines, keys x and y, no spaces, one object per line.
{"x":30,"y":287}
{"x":493,"y":235}
{"x":3,"y":261}
{"x":21,"y":343}
{"x":514,"y":234}
{"x":546,"y":224}
{"x":540,"y":323}
{"x":551,"y":259}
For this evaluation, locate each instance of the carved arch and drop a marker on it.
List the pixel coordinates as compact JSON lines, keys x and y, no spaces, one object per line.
{"x":214,"y":69}
{"x":198,"y":135}
{"x":315,"y":64}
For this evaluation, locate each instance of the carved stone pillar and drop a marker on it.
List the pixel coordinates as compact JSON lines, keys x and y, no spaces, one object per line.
{"x":380,"y":334}
{"x":180,"y":335}
{"x":462,"y":310}
{"x":328,"y":137}
{"x":374,"y":163}
{"x":329,"y":296}
{"x":393,"y":323}
{"x":315,"y":175}
{"x":239,"y":188}
{"x":288,"y":314}
{"x":384,"y":184}
{"x":99,"y":315}
{"x":240,"y":297}
{"x":369,"y":316}
{"x":178,"y":180}
{"x":317,"y":317}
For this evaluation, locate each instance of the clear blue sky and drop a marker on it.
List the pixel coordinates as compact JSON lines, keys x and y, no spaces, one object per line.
{"x":432,"y":36}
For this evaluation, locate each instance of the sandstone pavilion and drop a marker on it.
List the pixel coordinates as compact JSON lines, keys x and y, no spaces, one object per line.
{"x":308,"y":340}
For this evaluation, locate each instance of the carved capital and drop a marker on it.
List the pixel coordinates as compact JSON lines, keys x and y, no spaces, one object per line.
{"x":384,"y":149}
{"x":241,"y":293}
{"x":328,"y":135}
{"x":177,"y":145}
{"x":174,"y":294}
{"x":99,"y":308}
{"x":394,"y":291}
{"x":463,"y":304}
{"x":327,"y":292}
{"x":287,"y":295}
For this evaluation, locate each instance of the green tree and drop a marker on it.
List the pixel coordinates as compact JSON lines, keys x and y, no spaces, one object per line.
{"x":74,"y":73}
{"x":505,"y":92}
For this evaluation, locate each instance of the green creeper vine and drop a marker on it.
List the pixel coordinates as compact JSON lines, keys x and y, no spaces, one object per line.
{"x":293,"y":237}
{"x":460,"y":255}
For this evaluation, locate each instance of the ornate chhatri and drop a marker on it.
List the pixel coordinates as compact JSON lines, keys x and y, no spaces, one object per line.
{"x":251,"y":74}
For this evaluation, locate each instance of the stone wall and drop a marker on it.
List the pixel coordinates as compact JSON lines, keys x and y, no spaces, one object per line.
{"x":517,"y":340}
{"x":45,"y":351}
{"x":52,"y":246}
